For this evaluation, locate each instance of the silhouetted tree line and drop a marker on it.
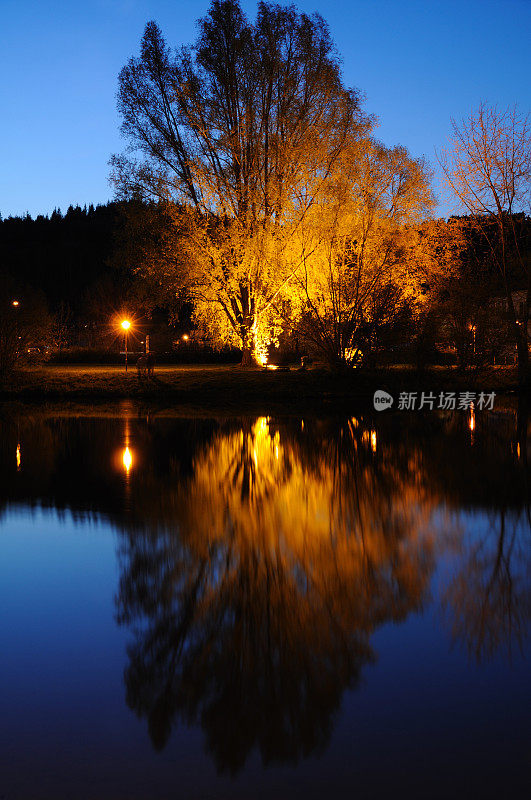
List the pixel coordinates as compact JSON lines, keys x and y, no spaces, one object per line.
{"x":72,"y":281}
{"x":64,"y":256}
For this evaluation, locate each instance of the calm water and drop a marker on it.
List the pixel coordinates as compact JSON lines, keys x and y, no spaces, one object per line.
{"x":264,"y":607}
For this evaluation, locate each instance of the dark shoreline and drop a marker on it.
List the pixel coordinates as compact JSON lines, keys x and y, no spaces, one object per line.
{"x":232,"y":389}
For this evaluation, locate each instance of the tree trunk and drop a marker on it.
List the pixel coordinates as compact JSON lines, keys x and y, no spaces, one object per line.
{"x":248,"y":349}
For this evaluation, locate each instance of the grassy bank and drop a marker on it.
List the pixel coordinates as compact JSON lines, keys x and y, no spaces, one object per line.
{"x":234,"y":386}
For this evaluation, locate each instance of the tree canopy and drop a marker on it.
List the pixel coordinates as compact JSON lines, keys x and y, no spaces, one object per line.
{"x":247,"y":138}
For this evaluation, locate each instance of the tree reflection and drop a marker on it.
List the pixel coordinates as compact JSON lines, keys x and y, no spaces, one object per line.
{"x":488,"y":602}
{"x":254,"y":608}
{"x":259,"y":556}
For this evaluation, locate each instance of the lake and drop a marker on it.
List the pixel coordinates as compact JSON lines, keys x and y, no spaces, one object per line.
{"x":264,"y":607}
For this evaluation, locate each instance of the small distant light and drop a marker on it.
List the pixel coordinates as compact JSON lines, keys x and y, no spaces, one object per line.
{"x":185,"y":337}
{"x":126,"y":324}
{"x":15,"y":303}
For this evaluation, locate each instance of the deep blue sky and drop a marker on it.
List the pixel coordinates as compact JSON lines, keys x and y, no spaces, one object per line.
{"x":419,"y":63}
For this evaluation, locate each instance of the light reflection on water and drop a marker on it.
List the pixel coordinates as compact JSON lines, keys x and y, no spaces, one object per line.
{"x":281,"y":586}
{"x":127,"y":459}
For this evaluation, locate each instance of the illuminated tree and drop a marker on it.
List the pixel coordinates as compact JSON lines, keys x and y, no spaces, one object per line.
{"x":488,"y":166}
{"x":359,"y":273}
{"x":240,"y":135}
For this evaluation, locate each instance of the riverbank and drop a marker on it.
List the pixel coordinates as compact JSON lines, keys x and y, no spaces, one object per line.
{"x":227,"y":385}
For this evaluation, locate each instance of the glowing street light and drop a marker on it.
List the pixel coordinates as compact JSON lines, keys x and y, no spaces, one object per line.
{"x":126,"y":324}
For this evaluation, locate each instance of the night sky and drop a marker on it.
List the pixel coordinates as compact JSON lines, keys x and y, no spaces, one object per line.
{"x":419,"y":64}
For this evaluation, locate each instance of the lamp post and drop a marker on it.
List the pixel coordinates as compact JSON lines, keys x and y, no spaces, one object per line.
{"x":15,"y":304}
{"x":125,"y":325}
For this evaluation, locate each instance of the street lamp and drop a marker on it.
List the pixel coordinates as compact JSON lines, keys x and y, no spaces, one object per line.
{"x":15,"y":304}
{"x":125,"y":325}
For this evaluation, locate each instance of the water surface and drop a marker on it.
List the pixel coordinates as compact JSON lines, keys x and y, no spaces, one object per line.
{"x":262,"y":607}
